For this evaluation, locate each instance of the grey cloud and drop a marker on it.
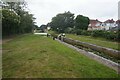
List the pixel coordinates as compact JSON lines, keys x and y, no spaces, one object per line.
{"x":44,"y":10}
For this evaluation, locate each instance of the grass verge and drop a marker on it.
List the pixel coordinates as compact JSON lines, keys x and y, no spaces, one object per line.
{"x":34,"y":56}
{"x":97,"y":41}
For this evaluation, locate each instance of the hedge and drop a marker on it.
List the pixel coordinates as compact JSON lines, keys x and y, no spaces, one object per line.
{"x":110,"y":35}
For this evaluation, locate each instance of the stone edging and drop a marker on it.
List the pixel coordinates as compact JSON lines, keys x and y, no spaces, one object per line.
{"x":100,"y":59}
{"x":108,"y":51}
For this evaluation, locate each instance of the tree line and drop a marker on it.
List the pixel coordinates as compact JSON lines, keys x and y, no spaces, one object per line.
{"x":66,"y":22}
{"x":15,"y":19}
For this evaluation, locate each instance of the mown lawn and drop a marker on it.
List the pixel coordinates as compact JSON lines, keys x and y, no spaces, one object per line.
{"x":96,"y":41}
{"x":34,"y":56}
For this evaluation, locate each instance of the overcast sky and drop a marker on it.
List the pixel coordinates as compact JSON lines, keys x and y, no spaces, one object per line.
{"x":44,"y":10}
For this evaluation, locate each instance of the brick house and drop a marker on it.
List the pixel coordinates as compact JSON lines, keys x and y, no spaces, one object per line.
{"x":106,"y":25}
{"x":95,"y":25}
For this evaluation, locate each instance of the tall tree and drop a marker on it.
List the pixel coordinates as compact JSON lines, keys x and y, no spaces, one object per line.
{"x":10,"y":22}
{"x":81,"y":22}
{"x":11,"y":10}
{"x":26,"y":22}
{"x":62,"y":21}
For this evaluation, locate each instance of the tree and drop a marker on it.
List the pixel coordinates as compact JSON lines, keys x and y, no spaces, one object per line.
{"x":81,"y":22}
{"x":27,"y":22}
{"x":10,"y":22}
{"x":43,"y":27}
{"x":62,"y":21}
{"x":16,"y":6}
{"x":16,"y":20}
{"x":35,"y":27}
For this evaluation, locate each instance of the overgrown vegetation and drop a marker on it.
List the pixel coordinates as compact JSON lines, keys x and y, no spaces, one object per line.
{"x":106,"y":34}
{"x":114,"y":36}
{"x":62,"y":21}
{"x":10,"y":22}
{"x":109,"y":35}
{"x":98,"y":50}
{"x":65,"y":22}
{"x":95,"y":40}
{"x":15,"y":19}
{"x":81,"y":22}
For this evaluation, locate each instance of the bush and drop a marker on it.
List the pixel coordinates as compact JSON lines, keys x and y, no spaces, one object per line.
{"x":118,"y":36}
{"x":97,"y":33}
{"x":115,"y":36}
{"x":69,"y":30}
{"x":54,"y":34}
{"x":86,"y":33}
{"x":107,"y":35}
{"x":73,"y":31}
{"x":78,"y":32}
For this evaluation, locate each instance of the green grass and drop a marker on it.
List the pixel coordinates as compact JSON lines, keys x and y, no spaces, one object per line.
{"x":34,"y":56}
{"x":97,"y":41}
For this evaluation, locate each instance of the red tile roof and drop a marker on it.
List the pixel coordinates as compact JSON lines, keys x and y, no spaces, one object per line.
{"x":94,"y":22}
{"x":109,"y":21}
{"x":118,"y":21}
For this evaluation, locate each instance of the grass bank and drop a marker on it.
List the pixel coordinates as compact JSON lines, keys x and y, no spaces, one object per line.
{"x":34,"y":56}
{"x":97,"y":41}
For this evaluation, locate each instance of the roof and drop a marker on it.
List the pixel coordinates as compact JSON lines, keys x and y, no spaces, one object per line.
{"x":94,"y":22}
{"x":118,"y":21}
{"x":109,"y":21}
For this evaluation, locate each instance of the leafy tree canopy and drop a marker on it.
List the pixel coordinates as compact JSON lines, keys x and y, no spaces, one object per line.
{"x":81,"y":22}
{"x":62,"y":21}
{"x":16,"y":20}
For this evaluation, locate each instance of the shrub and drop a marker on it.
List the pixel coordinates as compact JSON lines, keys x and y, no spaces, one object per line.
{"x":107,"y":35}
{"x":78,"y":32}
{"x":53,"y":34}
{"x":111,"y":36}
{"x":86,"y":33}
{"x":69,"y":30}
{"x":73,"y":31}
{"x":118,"y":36}
{"x":97,"y":33}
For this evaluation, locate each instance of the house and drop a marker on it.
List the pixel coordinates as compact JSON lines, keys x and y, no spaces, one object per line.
{"x":109,"y":24}
{"x":118,"y":23}
{"x":117,"y":26}
{"x":96,"y":25}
